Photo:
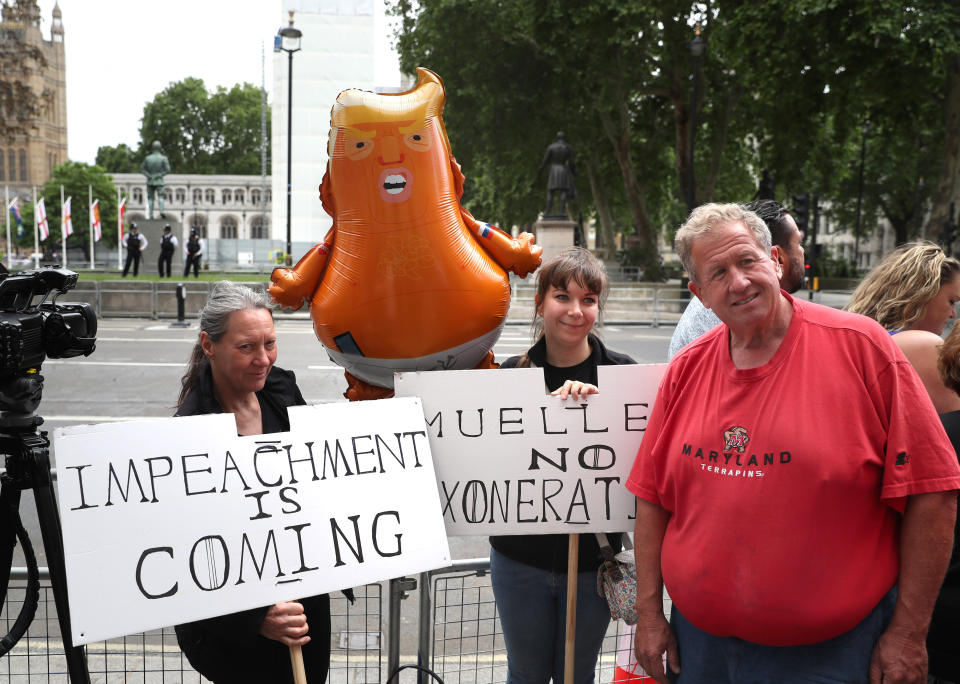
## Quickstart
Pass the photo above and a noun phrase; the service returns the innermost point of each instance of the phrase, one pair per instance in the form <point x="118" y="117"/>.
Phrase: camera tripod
<point x="27" y="456"/>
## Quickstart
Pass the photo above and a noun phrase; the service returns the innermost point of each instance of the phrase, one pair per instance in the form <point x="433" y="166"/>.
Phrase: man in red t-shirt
<point x="795" y="544"/>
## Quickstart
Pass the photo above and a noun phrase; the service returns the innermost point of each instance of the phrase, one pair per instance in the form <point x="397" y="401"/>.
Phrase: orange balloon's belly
<point x="405" y="298"/>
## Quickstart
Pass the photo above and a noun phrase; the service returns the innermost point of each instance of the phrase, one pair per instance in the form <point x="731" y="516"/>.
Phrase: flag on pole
<point x="95" y="212"/>
<point x="15" y="213"/>
<point x="123" y="206"/>
<point x="67" y="219"/>
<point x="41" y="214"/>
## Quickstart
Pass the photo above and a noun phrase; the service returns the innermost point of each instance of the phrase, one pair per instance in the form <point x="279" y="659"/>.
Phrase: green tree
<point x="203" y="132"/>
<point x="76" y="178"/>
<point x="20" y="103"/>
<point x="119" y="159"/>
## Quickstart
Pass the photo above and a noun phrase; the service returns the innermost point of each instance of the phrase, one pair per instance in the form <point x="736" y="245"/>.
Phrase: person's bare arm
<point x="653" y="635"/>
<point x="922" y="349"/>
<point x="926" y="540"/>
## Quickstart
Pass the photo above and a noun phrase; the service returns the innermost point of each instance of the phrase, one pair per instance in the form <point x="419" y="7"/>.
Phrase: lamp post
<point x="289" y="43"/>
<point x="855" y="262"/>
<point x="697" y="47"/>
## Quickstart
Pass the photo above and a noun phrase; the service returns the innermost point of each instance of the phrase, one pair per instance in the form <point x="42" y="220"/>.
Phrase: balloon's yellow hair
<point x="421" y="103"/>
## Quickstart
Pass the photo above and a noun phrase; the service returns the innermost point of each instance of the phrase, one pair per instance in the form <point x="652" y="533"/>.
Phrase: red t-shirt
<point x="785" y="482"/>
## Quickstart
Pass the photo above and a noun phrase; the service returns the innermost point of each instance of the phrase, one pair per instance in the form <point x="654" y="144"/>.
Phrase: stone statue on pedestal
<point x="155" y="167"/>
<point x="561" y="185"/>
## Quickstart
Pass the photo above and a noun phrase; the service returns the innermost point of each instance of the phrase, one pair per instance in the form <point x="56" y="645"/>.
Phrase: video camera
<point x="34" y="326"/>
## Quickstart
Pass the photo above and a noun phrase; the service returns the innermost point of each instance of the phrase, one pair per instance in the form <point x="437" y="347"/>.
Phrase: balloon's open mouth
<point x="395" y="184"/>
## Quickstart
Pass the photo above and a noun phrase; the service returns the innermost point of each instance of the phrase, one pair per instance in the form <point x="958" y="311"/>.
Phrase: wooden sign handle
<point x="573" y="559"/>
<point x="296" y="661"/>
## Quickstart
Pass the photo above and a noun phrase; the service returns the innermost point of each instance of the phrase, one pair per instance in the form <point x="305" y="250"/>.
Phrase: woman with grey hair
<point x="231" y="370"/>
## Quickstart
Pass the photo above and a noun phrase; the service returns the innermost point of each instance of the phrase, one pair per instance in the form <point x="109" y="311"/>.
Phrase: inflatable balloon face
<point x="406" y="279"/>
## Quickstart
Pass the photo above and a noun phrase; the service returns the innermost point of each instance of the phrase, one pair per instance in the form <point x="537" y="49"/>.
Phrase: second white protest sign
<point x="511" y="459"/>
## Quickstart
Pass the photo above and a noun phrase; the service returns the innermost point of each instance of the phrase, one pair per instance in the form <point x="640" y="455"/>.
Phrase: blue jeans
<point x="532" y="604"/>
<point x="719" y="660"/>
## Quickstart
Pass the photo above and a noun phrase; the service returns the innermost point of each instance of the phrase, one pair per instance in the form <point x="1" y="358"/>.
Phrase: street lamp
<point x="697" y="47"/>
<point x="289" y="43"/>
<point x="864" y="131"/>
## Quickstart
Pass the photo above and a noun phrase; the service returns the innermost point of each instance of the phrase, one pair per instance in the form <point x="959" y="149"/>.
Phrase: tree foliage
<point x="789" y="85"/>
<point x="204" y="132"/>
<point x="119" y="159"/>
<point x="20" y="104"/>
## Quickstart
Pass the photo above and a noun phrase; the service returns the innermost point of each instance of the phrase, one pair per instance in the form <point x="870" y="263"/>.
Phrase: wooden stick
<point x="573" y="558"/>
<point x="296" y="661"/>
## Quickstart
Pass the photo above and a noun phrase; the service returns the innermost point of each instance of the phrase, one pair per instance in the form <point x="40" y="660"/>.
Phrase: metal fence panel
<point x="154" y="657"/>
<point x="465" y="640"/>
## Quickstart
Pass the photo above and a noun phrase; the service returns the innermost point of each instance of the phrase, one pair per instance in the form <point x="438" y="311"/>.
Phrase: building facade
<point x="28" y="161"/>
<point x="218" y="207"/>
<point x="337" y="52"/>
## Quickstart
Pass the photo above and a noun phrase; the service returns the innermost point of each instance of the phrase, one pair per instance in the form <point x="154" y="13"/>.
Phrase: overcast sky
<point x="120" y="53"/>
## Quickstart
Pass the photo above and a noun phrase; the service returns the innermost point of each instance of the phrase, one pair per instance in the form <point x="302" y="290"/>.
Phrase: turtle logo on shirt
<point x="736" y="439"/>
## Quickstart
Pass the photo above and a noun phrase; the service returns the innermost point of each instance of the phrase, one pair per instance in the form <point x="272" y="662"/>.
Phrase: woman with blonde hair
<point x="912" y="293"/>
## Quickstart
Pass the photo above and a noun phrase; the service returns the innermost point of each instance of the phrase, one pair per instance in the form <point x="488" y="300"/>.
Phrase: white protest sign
<point x="174" y="520"/>
<point x="511" y="459"/>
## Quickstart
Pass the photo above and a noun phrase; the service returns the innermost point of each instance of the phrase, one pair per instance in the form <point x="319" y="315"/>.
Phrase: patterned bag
<point x="617" y="580"/>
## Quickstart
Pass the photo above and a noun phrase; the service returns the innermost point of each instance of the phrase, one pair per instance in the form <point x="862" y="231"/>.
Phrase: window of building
<point x="258" y="228"/>
<point x="225" y="196"/>
<point x="210" y="196"/>
<point x="23" y="166"/>
<point x="228" y="227"/>
<point x="167" y="195"/>
<point x="238" y="196"/>
<point x="138" y="195"/>
<point x="197" y="196"/>
<point x="3" y="165"/>
<point x="181" y="195"/>
<point x="269" y="196"/>
<point x="255" y="197"/>
<point x="198" y="222"/>
<point x="12" y="156"/>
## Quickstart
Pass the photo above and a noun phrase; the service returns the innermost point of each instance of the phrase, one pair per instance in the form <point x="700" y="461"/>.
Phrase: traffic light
<point x="801" y="211"/>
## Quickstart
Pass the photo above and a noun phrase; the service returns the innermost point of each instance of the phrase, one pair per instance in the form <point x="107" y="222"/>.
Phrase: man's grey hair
<point x="704" y="219"/>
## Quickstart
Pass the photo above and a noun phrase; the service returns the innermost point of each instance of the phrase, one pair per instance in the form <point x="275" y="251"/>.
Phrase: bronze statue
<point x="155" y="167"/>
<point x="767" y="189"/>
<point x="561" y="185"/>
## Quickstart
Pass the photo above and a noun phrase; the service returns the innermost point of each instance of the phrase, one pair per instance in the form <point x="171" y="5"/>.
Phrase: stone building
<point x="28" y="161"/>
<point x="218" y="207"/>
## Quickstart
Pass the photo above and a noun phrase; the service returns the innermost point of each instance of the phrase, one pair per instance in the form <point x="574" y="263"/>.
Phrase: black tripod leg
<point x="53" y="545"/>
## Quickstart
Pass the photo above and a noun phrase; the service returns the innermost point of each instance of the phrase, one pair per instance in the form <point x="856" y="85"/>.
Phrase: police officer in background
<point x="135" y="244"/>
<point x="168" y="243"/>
<point x="193" y="250"/>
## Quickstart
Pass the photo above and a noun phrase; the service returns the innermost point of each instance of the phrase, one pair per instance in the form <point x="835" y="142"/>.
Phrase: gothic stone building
<point x="28" y="161"/>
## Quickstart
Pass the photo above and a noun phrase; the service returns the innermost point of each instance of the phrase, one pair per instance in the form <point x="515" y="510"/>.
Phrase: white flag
<point x="95" y="212"/>
<point x="41" y="214"/>
<point x="67" y="219"/>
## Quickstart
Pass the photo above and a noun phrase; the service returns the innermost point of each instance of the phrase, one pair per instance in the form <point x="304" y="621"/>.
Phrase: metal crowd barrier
<point x="154" y="657"/>
<point x="457" y="630"/>
<point x="460" y="637"/>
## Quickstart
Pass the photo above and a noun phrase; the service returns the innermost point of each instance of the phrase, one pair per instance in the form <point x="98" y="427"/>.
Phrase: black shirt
<point x="549" y="551"/>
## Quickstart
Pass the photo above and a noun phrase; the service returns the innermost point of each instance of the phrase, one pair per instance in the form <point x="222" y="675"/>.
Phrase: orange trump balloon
<point x="406" y="279"/>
